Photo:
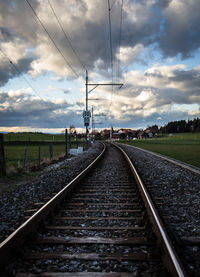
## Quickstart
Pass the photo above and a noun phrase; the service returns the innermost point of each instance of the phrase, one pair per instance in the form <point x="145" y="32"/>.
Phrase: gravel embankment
<point x="13" y="205"/>
<point x="176" y="193"/>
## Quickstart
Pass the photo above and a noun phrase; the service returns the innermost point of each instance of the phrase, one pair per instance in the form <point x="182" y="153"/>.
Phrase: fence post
<point x="50" y="150"/>
<point x="66" y="143"/>
<point x="25" y="155"/>
<point x="39" y="155"/>
<point x="70" y="145"/>
<point x="77" y="143"/>
<point x="2" y="157"/>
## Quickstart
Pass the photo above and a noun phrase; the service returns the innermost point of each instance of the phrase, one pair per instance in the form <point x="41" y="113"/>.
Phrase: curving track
<point x="104" y="227"/>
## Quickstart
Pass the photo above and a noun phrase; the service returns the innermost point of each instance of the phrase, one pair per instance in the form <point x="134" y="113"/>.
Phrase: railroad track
<point x="103" y="223"/>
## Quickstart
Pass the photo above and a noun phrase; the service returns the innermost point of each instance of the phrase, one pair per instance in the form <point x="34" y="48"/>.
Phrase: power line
<point x="18" y="71"/>
<point x="113" y="4"/>
<point x="52" y="40"/>
<point x="66" y="36"/>
<point x="110" y="35"/>
<point x="111" y="54"/>
<point x="120" y="36"/>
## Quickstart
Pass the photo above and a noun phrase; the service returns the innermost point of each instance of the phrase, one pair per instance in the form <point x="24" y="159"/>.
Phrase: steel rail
<point x="176" y="267"/>
<point x="171" y="160"/>
<point x="12" y="243"/>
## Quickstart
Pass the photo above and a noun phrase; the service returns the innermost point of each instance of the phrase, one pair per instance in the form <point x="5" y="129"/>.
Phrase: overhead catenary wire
<point x="111" y="53"/>
<point x="110" y="36"/>
<point x="52" y="40"/>
<point x="114" y="1"/>
<point x="120" y="37"/>
<point x="18" y="71"/>
<point x="67" y="37"/>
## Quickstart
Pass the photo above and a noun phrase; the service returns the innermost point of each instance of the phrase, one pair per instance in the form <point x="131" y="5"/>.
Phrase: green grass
<point x="33" y="137"/>
<point x="183" y="147"/>
<point x="15" y="155"/>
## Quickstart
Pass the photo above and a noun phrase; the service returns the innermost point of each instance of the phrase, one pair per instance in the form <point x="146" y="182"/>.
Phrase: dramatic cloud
<point x="89" y="34"/>
<point x="8" y="71"/>
<point x="128" y="55"/>
<point x="163" y="29"/>
<point x="159" y="94"/>
<point x="167" y="23"/>
<point x="181" y="28"/>
<point x="21" y="108"/>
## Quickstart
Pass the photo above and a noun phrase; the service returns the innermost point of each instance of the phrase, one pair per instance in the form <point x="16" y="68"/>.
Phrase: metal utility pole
<point x="93" y="121"/>
<point x="86" y="104"/>
<point x="86" y="113"/>
<point x="111" y="133"/>
<point x="2" y="157"/>
<point x="92" y="124"/>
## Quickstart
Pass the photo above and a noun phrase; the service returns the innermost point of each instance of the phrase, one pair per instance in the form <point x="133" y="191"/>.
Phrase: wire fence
<point x="30" y="156"/>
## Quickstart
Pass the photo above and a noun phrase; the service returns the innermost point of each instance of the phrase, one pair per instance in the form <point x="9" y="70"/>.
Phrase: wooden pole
<point x="2" y="157"/>
<point x="66" y="143"/>
<point x="50" y="151"/>
<point x="70" y="144"/>
<point x="25" y="155"/>
<point x="39" y="155"/>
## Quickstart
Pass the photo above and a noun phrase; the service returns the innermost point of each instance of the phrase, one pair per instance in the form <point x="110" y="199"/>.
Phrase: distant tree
<point x="154" y="129"/>
<point x="181" y="126"/>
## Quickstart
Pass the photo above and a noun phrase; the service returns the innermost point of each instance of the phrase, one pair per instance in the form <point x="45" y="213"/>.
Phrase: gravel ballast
<point x="13" y="205"/>
<point x="176" y="194"/>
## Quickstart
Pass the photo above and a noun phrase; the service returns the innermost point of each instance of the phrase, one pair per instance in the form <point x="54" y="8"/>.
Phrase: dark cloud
<point x="171" y="95"/>
<point x="163" y="3"/>
<point x="181" y="29"/>
<point x="156" y="74"/>
<point x="6" y="34"/>
<point x="66" y="91"/>
<point x="159" y="118"/>
<point x="23" y="110"/>
<point x="8" y="71"/>
<point x="176" y="30"/>
<point x="172" y="26"/>
<point x="189" y="78"/>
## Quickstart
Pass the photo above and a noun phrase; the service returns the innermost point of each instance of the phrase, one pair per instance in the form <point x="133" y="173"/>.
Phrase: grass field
<point x="184" y="147"/>
<point x="33" y="137"/>
<point x="15" y="155"/>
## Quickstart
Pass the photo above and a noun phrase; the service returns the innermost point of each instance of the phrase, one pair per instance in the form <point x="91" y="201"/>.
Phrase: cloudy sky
<point x="46" y="46"/>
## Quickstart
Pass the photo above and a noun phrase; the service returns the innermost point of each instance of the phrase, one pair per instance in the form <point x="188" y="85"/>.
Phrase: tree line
<point x="180" y="126"/>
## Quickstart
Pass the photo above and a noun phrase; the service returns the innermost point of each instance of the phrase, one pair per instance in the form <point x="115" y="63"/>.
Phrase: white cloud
<point x="16" y="49"/>
<point x="166" y="24"/>
<point x="129" y="55"/>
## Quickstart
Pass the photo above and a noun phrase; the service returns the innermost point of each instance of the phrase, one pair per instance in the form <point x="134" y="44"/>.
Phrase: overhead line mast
<point x="87" y="113"/>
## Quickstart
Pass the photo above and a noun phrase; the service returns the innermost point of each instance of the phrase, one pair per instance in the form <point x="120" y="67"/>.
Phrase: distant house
<point x="115" y="135"/>
<point x="105" y="133"/>
<point x="148" y="133"/>
<point x="129" y="133"/>
<point x="140" y="134"/>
